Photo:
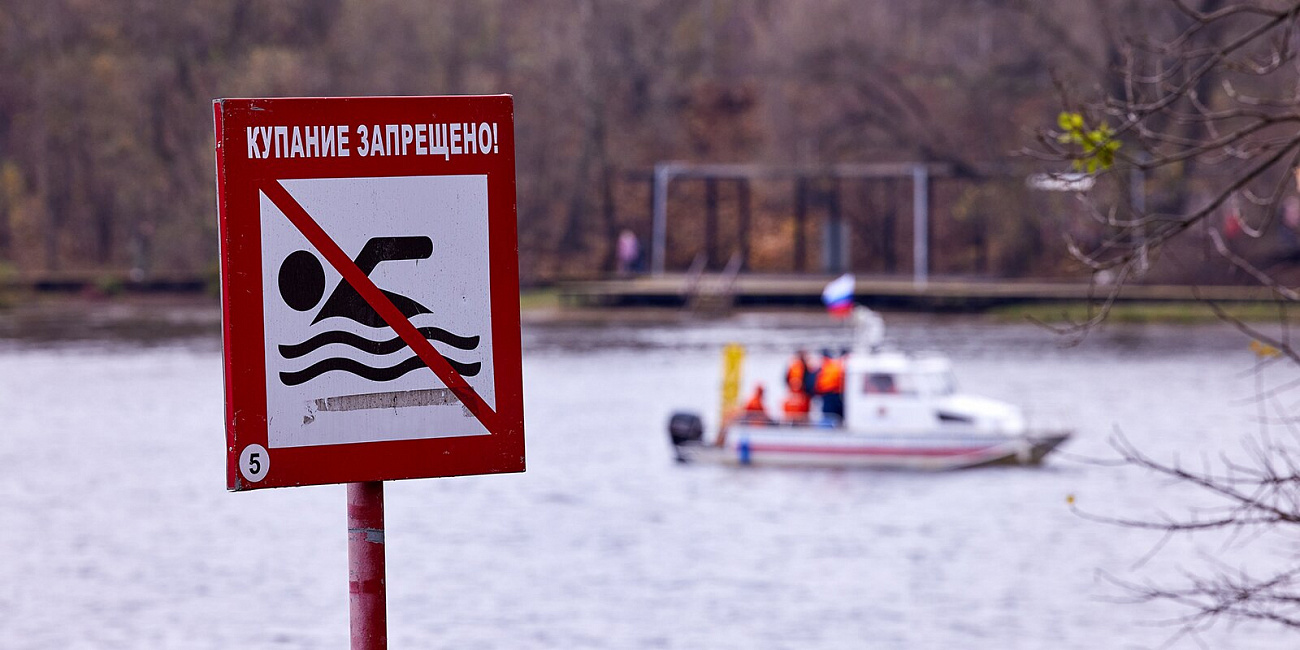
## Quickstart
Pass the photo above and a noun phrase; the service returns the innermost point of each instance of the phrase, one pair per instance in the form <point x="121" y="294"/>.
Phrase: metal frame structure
<point x="919" y="173"/>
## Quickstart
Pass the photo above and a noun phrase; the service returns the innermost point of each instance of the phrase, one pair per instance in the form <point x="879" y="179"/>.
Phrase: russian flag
<point x="838" y="295"/>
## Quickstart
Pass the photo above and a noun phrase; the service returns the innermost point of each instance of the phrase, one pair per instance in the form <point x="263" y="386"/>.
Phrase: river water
<point x="116" y="532"/>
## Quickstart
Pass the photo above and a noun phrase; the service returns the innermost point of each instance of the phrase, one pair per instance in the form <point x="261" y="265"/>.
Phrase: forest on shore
<point x="106" y="138"/>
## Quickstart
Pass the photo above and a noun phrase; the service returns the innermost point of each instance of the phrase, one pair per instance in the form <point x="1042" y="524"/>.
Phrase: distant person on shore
<point x="830" y="385"/>
<point x="628" y="250"/>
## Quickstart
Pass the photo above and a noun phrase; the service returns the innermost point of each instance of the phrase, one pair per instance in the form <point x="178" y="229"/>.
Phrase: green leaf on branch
<point x="1097" y="146"/>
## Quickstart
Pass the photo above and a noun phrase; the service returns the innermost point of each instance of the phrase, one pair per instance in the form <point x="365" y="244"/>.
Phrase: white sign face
<point x="336" y="373"/>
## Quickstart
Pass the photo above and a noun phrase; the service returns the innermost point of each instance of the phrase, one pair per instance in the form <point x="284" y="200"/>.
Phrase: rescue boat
<point x="901" y="411"/>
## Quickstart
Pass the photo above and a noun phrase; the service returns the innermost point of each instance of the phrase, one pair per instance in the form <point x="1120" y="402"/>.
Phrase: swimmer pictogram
<point x="302" y="287"/>
<point x="372" y="298"/>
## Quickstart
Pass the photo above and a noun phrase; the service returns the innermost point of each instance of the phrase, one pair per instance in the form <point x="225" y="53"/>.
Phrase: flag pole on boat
<point x="733" y="359"/>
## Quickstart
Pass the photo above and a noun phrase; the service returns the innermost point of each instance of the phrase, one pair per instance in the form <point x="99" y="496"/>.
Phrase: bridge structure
<point x="835" y="250"/>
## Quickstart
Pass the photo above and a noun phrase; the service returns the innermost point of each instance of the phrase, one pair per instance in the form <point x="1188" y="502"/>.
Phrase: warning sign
<point x="370" y="291"/>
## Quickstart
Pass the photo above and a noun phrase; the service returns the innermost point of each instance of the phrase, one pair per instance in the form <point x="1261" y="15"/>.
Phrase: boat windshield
<point x="936" y="383"/>
<point x="909" y="383"/>
<point x="879" y="383"/>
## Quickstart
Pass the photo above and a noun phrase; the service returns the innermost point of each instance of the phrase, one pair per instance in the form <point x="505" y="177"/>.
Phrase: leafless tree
<point x="1207" y="118"/>
<point x="105" y="133"/>
<point x="1203" y="114"/>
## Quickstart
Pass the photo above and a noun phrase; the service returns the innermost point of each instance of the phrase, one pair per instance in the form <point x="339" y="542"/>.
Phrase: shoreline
<point x="160" y="316"/>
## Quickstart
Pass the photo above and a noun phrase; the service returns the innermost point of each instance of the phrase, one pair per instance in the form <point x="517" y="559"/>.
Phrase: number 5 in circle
<point x="254" y="463"/>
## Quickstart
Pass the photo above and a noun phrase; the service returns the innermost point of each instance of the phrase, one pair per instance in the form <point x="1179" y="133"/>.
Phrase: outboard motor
<point x="685" y="428"/>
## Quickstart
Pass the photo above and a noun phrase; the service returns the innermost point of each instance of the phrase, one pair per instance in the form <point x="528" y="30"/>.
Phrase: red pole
<point x="366" y="584"/>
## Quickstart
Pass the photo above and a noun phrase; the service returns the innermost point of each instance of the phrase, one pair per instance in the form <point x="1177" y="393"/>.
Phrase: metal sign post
<point x="367" y="587"/>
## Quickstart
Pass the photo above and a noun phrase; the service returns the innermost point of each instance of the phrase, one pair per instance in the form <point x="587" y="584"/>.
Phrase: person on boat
<point x="830" y="385"/>
<point x="799" y="377"/>
<point x="754" y="412"/>
<point x="796" y="406"/>
<point x="799" y="380"/>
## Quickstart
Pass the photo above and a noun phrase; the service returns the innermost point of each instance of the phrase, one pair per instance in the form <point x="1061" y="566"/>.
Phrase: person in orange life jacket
<point x="796" y="406"/>
<point x="799" y="381"/>
<point x="830" y="385"/>
<point x="754" y="412"/>
<point x="798" y="376"/>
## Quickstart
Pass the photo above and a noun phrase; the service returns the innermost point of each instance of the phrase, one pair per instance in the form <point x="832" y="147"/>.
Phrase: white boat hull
<point x="796" y="446"/>
<point x="897" y="411"/>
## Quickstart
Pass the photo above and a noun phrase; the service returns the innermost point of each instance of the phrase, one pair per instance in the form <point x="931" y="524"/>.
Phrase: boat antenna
<point x="868" y="329"/>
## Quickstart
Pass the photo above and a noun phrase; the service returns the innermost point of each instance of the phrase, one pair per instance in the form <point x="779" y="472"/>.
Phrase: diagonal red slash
<point x="380" y="303"/>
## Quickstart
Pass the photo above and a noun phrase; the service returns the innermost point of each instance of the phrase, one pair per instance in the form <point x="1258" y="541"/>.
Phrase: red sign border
<point x="239" y="179"/>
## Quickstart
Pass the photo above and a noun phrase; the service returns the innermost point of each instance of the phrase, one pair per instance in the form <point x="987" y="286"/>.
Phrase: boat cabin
<point x="901" y="392"/>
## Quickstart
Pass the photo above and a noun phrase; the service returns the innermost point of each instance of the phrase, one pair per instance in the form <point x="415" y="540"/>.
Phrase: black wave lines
<point x="373" y="374"/>
<point x="375" y="347"/>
